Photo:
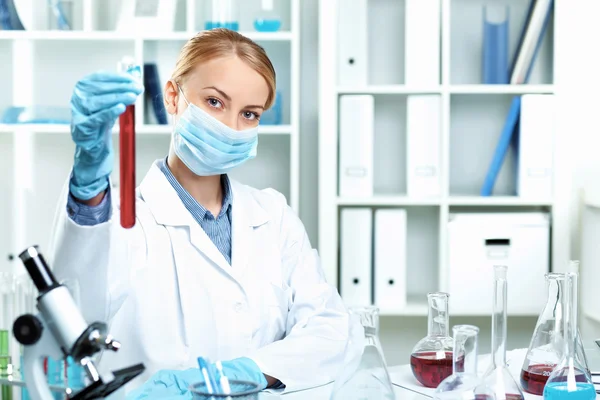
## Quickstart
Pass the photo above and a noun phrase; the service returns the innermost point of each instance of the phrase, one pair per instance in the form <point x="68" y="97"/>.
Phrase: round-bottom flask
<point x="431" y="358"/>
<point x="464" y="383"/>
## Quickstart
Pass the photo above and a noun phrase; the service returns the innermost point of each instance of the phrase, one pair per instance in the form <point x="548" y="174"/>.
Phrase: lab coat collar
<point x="167" y="208"/>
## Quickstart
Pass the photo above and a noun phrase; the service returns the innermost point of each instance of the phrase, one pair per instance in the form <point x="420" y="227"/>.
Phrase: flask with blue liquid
<point x="268" y="19"/>
<point x="570" y="380"/>
<point x="223" y="14"/>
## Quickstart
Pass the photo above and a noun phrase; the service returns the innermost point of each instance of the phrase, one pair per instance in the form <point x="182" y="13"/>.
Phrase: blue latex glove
<point x="97" y="101"/>
<point x="170" y="384"/>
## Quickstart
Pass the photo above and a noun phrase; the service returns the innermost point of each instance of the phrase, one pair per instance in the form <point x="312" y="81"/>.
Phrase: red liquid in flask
<point x="127" y="166"/>
<point x="535" y="377"/>
<point x="429" y="370"/>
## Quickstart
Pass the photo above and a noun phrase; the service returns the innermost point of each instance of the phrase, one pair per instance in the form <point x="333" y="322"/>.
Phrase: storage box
<point x="478" y="241"/>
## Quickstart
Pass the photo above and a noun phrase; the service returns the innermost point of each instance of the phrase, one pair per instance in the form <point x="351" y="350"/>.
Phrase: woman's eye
<point x="251" y="116"/>
<point x="214" y="103"/>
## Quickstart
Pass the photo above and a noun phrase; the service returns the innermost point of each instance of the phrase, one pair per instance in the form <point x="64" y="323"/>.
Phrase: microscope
<point x="59" y="331"/>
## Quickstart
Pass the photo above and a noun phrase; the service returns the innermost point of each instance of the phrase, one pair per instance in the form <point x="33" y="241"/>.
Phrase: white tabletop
<point x="323" y="393"/>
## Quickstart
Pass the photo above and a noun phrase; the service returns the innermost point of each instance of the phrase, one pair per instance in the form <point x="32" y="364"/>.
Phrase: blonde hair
<point x="211" y="44"/>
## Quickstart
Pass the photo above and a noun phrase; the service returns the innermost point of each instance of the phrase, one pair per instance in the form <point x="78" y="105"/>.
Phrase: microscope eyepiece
<point x="38" y="269"/>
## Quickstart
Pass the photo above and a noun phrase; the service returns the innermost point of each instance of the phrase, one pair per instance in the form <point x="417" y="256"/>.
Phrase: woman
<point x="212" y="267"/>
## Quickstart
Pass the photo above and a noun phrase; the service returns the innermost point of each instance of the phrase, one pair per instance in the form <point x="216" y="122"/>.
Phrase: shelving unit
<point x="41" y="67"/>
<point x="472" y="117"/>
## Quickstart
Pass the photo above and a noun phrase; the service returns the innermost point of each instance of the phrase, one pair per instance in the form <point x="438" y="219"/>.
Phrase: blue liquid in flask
<point x="267" y="24"/>
<point x="232" y="26"/>
<point x="558" y="391"/>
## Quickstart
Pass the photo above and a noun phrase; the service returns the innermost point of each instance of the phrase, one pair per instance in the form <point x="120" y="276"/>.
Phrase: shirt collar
<point x="187" y="198"/>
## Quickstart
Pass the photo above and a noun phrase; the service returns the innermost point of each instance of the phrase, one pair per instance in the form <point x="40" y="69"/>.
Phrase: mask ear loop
<point x="182" y="94"/>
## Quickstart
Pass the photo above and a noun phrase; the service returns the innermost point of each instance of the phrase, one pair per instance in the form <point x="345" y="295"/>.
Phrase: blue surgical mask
<point x="209" y="147"/>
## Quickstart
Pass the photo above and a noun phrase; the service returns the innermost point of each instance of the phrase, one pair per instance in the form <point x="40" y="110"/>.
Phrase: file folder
<point x="422" y="42"/>
<point x="390" y="259"/>
<point x="536" y="143"/>
<point x="356" y="146"/>
<point x="423" y="155"/>
<point x="355" y="256"/>
<point x="352" y="42"/>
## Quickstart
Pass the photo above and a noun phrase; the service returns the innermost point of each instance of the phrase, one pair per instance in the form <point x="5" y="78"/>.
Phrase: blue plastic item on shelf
<point x="233" y="26"/>
<point x="273" y="116"/>
<point x="36" y="115"/>
<point x="495" y="45"/>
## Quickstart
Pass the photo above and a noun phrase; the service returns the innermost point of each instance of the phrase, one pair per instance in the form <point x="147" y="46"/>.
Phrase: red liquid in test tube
<point x="127" y="166"/>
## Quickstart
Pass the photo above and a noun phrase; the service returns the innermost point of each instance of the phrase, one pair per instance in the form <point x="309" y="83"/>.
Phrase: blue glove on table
<point x="97" y="101"/>
<point x="171" y="384"/>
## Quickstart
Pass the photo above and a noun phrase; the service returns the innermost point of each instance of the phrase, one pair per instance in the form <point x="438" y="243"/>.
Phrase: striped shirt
<point x="218" y="228"/>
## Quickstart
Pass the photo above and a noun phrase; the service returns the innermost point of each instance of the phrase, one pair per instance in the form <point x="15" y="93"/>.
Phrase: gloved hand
<point x="97" y="101"/>
<point x="170" y="384"/>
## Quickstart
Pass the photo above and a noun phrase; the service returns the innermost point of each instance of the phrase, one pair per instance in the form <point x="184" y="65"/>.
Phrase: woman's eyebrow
<point x="222" y="93"/>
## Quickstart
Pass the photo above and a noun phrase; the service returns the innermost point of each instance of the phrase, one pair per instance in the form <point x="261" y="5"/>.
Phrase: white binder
<point x="536" y="143"/>
<point x="356" y="146"/>
<point x="352" y="42"/>
<point x="422" y="42"/>
<point x="423" y="150"/>
<point x="355" y="256"/>
<point x="390" y="259"/>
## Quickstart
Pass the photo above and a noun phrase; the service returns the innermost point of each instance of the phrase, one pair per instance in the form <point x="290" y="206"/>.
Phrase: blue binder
<point x="510" y="128"/>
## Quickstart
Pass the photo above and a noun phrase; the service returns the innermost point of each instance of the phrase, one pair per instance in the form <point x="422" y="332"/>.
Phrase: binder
<point x="355" y="256"/>
<point x="536" y="143"/>
<point x="422" y="42"/>
<point x="352" y="42"/>
<point x="506" y="138"/>
<point x="390" y="259"/>
<point x="423" y="131"/>
<point x="356" y="145"/>
<point x="495" y="44"/>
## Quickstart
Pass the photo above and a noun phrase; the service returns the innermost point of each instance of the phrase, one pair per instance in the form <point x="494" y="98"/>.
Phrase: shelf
<point x="391" y="201"/>
<point x="119" y="36"/>
<point x="388" y="89"/>
<point x="142" y="130"/>
<point x="501" y="89"/>
<point x="496" y="201"/>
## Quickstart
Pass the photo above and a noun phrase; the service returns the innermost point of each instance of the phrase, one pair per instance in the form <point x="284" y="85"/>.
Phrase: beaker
<point x="464" y="384"/>
<point x="497" y="376"/>
<point x="223" y="15"/>
<point x="268" y="20"/>
<point x="546" y="347"/>
<point x="368" y="378"/>
<point x="570" y="379"/>
<point x="431" y="358"/>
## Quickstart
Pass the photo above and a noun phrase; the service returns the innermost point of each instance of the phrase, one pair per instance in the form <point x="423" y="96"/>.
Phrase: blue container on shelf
<point x="274" y="115"/>
<point x="268" y="20"/>
<point x="495" y="44"/>
<point x="223" y="14"/>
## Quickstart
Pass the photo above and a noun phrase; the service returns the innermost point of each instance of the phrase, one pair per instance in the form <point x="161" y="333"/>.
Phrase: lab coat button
<point x="239" y="307"/>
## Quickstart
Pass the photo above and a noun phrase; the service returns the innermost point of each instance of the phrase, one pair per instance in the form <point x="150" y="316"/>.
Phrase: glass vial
<point x="268" y="19"/>
<point x="369" y="378"/>
<point x="464" y="384"/>
<point x="498" y="377"/>
<point x="223" y="14"/>
<point x="546" y="346"/>
<point x="570" y="379"/>
<point x="431" y="358"/>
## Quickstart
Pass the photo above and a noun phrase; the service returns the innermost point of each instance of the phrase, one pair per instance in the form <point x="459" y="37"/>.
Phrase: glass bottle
<point x="497" y="376"/>
<point x="223" y="15"/>
<point x="464" y="384"/>
<point x="570" y="379"/>
<point x="268" y="20"/>
<point x="367" y="377"/>
<point x="431" y="358"/>
<point x="546" y="347"/>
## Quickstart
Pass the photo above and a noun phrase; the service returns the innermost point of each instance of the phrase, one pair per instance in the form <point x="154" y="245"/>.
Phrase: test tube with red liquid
<point x="127" y="151"/>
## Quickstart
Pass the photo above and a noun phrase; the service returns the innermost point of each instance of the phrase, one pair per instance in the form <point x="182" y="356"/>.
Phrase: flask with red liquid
<point x="547" y="343"/>
<point x="431" y="358"/>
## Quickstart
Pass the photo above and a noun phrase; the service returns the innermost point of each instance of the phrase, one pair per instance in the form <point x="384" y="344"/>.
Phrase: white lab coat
<point x="170" y="296"/>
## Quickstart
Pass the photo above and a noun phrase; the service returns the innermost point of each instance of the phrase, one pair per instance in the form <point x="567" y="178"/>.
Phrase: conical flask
<point x="546" y="347"/>
<point x="368" y="377"/>
<point x="497" y="376"/>
<point x="464" y="384"/>
<point x="570" y="379"/>
<point x="431" y="358"/>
